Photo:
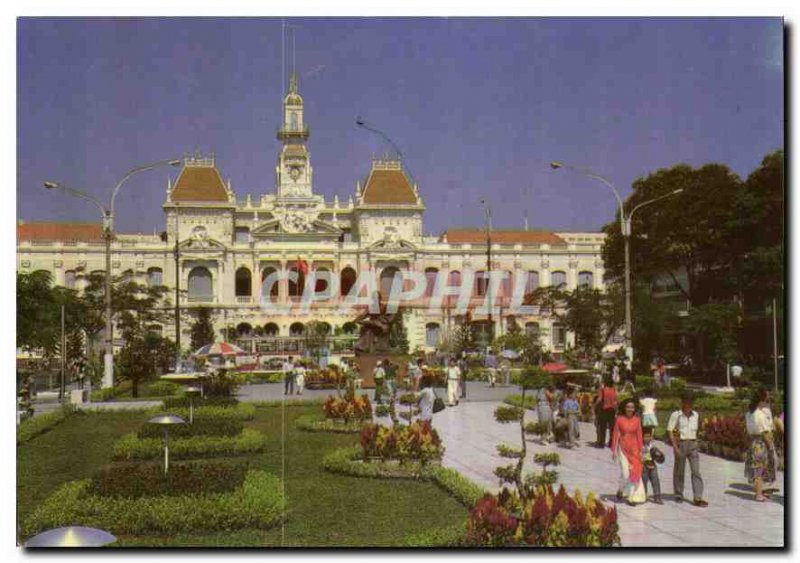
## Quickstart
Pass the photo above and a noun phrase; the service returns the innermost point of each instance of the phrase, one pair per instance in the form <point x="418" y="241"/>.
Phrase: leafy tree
<point x="202" y="329"/>
<point x="715" y="325"/>
<point x="316" y="337"/>
<point x="594" y="316"/>
<point x="398" y="336"/>
<point x="143" y="356"/>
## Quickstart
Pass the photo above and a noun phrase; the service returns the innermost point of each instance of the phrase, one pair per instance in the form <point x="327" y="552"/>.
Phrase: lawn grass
<point x="324" y="509"/>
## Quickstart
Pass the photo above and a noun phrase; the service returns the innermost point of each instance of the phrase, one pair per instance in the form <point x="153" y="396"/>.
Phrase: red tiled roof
<point x="389" y="187"/>
<point x="478" y="236"/>
<point x="199" y="183"/>
<point x="80" y="232"/>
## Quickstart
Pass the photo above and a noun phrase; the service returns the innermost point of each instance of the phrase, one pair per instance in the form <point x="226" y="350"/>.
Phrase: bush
<point x="727" y="432"/>
<point x="137" y="480"/>
<point x="516" y="400"/>
<point x="258" y="376"/>
<point x="221" y="384"/>
<point x="717" y="403"/>
<point x="103" y="395"/>
<point x="32" y="427"/>
<point x="644" y="382"/>
<point x="130" y="447"/>
<point x="162" y="389"/>
<point x="202" y="426"/>
<point x="183" y="402"/>
<point x="533" y="377"/>
<point x="347" y="409"/>
<point x="414" y="442"/>
<point x="312" y="423"/>
<point x="243" y="411"/>
<point x="547" y="520"/>
<point x="327" y="378"/>
<point x="257" y="503"/>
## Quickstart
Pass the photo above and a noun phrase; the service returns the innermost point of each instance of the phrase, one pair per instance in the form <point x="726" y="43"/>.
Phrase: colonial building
<point x="228" y="249"/>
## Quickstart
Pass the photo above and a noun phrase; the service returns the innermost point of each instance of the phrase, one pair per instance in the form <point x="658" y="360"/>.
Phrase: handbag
<point x="438" y="403"/>
<point x="657" y="455"/>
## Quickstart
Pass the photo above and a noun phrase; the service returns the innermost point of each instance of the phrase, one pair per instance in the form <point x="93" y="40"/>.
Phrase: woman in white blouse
<point x="759" y="465"/>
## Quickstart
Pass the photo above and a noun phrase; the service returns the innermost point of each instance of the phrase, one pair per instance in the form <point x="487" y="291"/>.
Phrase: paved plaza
<point x="732" y="518"/>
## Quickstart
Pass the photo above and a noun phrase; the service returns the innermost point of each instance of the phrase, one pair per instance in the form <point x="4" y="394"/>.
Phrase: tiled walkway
<point x="732" y="519"/>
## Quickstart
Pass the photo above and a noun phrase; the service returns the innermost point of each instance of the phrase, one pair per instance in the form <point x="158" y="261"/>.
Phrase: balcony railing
<point x="244" y="299"/>
<point x="200" y="298"/>
<point x="282" y="345"/>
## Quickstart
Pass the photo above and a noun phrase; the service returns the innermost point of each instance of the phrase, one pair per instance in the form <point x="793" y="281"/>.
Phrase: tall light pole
<point x="108" y="232"/>
<point x="625" y="229"/>
<point x="487" y="208"/>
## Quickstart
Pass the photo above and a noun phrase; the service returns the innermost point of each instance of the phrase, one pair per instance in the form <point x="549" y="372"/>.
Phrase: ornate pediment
<point x="199" y="241"/>
<point x="296" y="221"/>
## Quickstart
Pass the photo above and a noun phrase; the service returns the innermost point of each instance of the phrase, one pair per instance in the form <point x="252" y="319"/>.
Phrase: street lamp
<point x="192" y="392"/>
<point x="71" y="536"/>
<point x="487" y="208"/>
<point x="165" y="421"/>
<point x="108" y="232"/>
<point x="625" y="229"/>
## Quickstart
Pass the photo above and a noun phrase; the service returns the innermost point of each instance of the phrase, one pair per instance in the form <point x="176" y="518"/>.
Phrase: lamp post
<point x="192" y="392"/>
<point x="71" y="536"/>
<point x="487" y="208"/>
<point x="166" y="420"/>
<point x="108" y="233"/>
<point x="625" y="229"/>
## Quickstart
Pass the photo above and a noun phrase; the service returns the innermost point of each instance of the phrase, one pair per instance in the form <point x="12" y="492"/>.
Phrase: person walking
<point x="571" y="410"/>
<point x="608" y="408"/>
<point x="626" y="450"/>
<point x="300" y="378"/>
<point x="648" y="404"/>
<point x="426" y="399"/>
<point x="378" y="375"/>
<point x="288" y="376"/>
<point x="453" y="377"/>
<point x="759" y="467"/>
<point x="683" y="427"/>
<point x="416" y="372"/>
<point x="544" y="410"/>
<point x="390" y="374"/>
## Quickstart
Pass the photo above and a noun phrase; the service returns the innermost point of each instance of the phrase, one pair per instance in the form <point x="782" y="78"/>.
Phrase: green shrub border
<point x="242" y="411"/>
<point x="130" y="447"/>
<point x="258" y="503"/>
<point x="313" y="423"/>
<point x="30" y="428"/>
<point x="346" y="461"/>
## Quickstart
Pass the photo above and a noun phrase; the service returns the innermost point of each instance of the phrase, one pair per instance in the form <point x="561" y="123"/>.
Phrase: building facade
<point x="249" y="260"/>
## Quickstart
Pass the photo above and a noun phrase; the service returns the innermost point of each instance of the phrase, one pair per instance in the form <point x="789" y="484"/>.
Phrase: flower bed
<point x="348" y="408"/>
<point x="547" y="520"/>
<point x="725" y="437"/>
<point x="131" y="447"/>
<point x="313" y="423"/>
<point x="414" y="442"/>
<point x="257" y="503"/>
<point x="328" y="378"/>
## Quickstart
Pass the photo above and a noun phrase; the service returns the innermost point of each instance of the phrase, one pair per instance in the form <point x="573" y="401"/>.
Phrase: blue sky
<point x="479" y="106"/>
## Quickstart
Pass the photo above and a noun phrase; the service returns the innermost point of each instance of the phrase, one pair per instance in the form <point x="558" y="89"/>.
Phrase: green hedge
<point x="290" y="403"/>
<point x="183" y="402"/>
<point x="242" y="411"/>
<point x="130" y="447"/>
<point x="449" y="536"/>
<point x="313" y="423"/>
<point x="258" y="376"/>
<point x="162" y="389"/>
<point x="202" y="426"/>
<point x="257" y="503"/>
<point x="32" y="427"/>
<point x="516" y="400"/>
<point x="137" y="480"/>
<point x="103" y="395"/>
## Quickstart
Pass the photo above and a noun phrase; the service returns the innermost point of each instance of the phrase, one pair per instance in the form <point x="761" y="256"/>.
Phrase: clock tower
<point x="293" y="173"/>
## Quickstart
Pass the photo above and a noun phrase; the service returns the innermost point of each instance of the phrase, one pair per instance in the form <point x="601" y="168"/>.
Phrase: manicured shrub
<point x="546" y="519"/>
<point x="348" y="408"/>
<point x="183" y="402"/>
<point x="313" y="423"/>
<point x="242" y="411"/>
<point x="162" y="389"/>
<point x="135" y="480"/>
<point x="130" y="447"/>
<point x="202" y="426"/>
<point x="221" y="384"/>
<point x="257" y="503"/>
<point x="516" y="400"/>
<point x="34" y="426"/>
<point x="414" y="442"/>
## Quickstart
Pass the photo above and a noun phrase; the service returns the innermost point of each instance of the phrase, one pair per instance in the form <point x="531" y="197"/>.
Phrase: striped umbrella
<point x="220" y="349"/>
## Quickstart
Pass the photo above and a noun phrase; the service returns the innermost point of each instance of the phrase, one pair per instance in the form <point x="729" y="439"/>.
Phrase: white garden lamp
<point x="192" y="392"/>
<point x="166" y="420"/>
<point x="71" y="536"/>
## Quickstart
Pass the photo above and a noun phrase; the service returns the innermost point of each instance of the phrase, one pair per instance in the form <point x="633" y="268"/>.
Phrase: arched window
<point x="297" y="329"/>
<point x="274" y="290"/>
<point x="244" y="329"/>
<point x="532" y="282"/>
<point x="481" y="283"/>
<point x="293" y="123"/>
<point x="201" y="286"/>
<point x="69" y="279"/>
<point x="388" y="276"/>
<point x="325" y="328"/>
<point x="506" y="284"/>
<point x="243" y="282"/>
<point x="430" y="278"/>
<point x="532" y="329"/>
<point x="559" y="336"/>
<point x="585" y="279"/>
<point x="322" y="283"/>
<point x="558" y="279"/>
<point x="271" y="329"/>
<point x="350" y="328"/>
<point x="296" y="287"/>
<point x="154" y="277"/>
<point x="346" y="281"/>
<point x="432" y="333"/>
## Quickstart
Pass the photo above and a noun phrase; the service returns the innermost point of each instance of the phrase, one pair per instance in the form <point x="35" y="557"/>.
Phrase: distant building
<point x="228" y="248"/>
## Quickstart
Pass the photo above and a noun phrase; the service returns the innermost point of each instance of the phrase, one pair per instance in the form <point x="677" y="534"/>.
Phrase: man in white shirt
<point x="288" y="376"/>
<point x="379" y="375"/>
<point x="682" y="427"/>
<point x="453" y="377"/>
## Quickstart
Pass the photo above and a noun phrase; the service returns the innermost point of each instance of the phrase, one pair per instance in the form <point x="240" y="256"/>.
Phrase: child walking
<point x="648" y="404"/>
<point x="650" y="456"/>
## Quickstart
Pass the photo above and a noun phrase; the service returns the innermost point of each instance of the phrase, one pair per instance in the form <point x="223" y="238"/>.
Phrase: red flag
<point x="302" y="266"/>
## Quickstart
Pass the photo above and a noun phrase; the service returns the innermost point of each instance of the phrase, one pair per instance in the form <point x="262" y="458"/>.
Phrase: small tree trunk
<point x="135" y="388"/>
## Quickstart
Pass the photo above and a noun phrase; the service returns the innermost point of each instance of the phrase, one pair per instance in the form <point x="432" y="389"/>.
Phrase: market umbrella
<point x="554" y="367"/>
<point x="220" y="349"/>
<point x="71" y="536"/>
<point x="509" y="354"/>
